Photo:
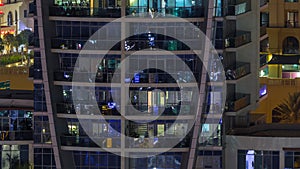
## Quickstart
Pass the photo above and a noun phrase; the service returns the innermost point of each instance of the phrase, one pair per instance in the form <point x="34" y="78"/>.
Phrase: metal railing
<point x="291" y="24"/>
<point x="80" y="11"/>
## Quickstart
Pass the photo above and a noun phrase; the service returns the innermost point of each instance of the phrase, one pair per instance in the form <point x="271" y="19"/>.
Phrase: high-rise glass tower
<point x="142" y="83"/>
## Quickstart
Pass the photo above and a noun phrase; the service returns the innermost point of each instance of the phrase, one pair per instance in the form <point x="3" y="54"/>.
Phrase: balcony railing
<point x="263" y="30"/>
<point x="16" y="135"/>
<point x="158" y="142"/>
<point x="77" y="44"/>
<point x="239" y="101"/>
<point x="168" y="110"/>
<point x="86" y="109"/>
<point x="139" y="44"/>
<point x="181" y="76"/>
<point x="291" y="0"/>
<point x="86" y="141"/>
<point x="183" y="12"/>
<point x="263" y="59"/>
<point x="237" y="71"/>
<point x="240" y="8"/>
<point x="211" y="141"/>
<point x="237" y="40"/>
<point x="86" y="77"/>
<point x="263" y="2"/>
<point x="32" y="8"/>
<point x="79" y="11"/>
<point x="291" y="24"/>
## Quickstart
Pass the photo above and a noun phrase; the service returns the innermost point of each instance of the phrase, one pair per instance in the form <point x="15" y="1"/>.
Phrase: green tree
<point x="289" y="110"/>
<point x="25" y="37"/>
<point x="1" y="45"/>
<point x="9" y="40"/>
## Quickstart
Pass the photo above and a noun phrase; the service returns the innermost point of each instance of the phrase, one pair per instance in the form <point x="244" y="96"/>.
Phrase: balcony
<point x="32" y="9"/>
<point x="78" y="44"/>
<point x="263" y="30"/>
<point x="149" y="76"/>
<point x="263" y="60"/>
<point x="291" y="24"/>
<point x="88" y="109"/>
<point x="99" y="77"/>
<point x="237" y="102"/>
<point x="291" y="0"/>
<point x="168" y="110"/>
<point x="80" y="11"/>
<point x="86" y="141"/>
<point x="21" y="135"/>
<point x="263" y="2"/>
<point x="237" y="71"/>
<point x="182" y="12"/>
<point x="143" y="43"/>
<point x="157" y="142"/>
<point x="238" y="39"/>
<point x="210" y="141"/>
<point x="239" y="8"/>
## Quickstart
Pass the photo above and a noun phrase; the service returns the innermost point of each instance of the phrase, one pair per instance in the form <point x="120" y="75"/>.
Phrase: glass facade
<point x="209" y="159"/>
<point x="292" y="159"/>
<point x="162" y="161"/>
<point x="41" y="130"/>
<point x="152" y="92"/>
<point x="15" y="125"/>
<point x="44" y="158"/>
<point x="96" y="160"/>
<point x="39" y="98"/>
<point x="258" y="159"/>
<point x="14" y="156"/>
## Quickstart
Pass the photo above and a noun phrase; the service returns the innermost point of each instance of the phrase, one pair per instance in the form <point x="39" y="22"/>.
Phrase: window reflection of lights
<point x="92" y="41"/>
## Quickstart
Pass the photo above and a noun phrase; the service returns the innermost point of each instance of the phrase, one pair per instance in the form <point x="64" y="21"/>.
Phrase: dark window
<point x="25" y="13"/>
<point x="9" y="19"/>
<point x="290" y="45"/>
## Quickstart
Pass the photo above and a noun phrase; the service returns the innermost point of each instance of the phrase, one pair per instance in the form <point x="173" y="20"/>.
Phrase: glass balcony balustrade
<point x="241" y="7"/>
<point x="87" y="109"/>
<point x="78" y="44"/>
<point x="19" y="135"/>
<point x="86" y="141"/>
<point x="263" y="60"/>
<point x="182" y="12"/>
<point x="157" y="142"/>
<point x="167" y="110"/>
<point x="98" y="77"/>
<point x="263" y="2"/>
<point x="84" y="11"/>
<point x="238" y="39"/>
<point x="237" y="102"/>
<point x="237" y="71"/>
<point x="154" y="43"/>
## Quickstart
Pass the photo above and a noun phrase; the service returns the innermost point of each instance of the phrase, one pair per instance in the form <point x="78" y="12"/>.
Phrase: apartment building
<point x="120" y="84"/>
